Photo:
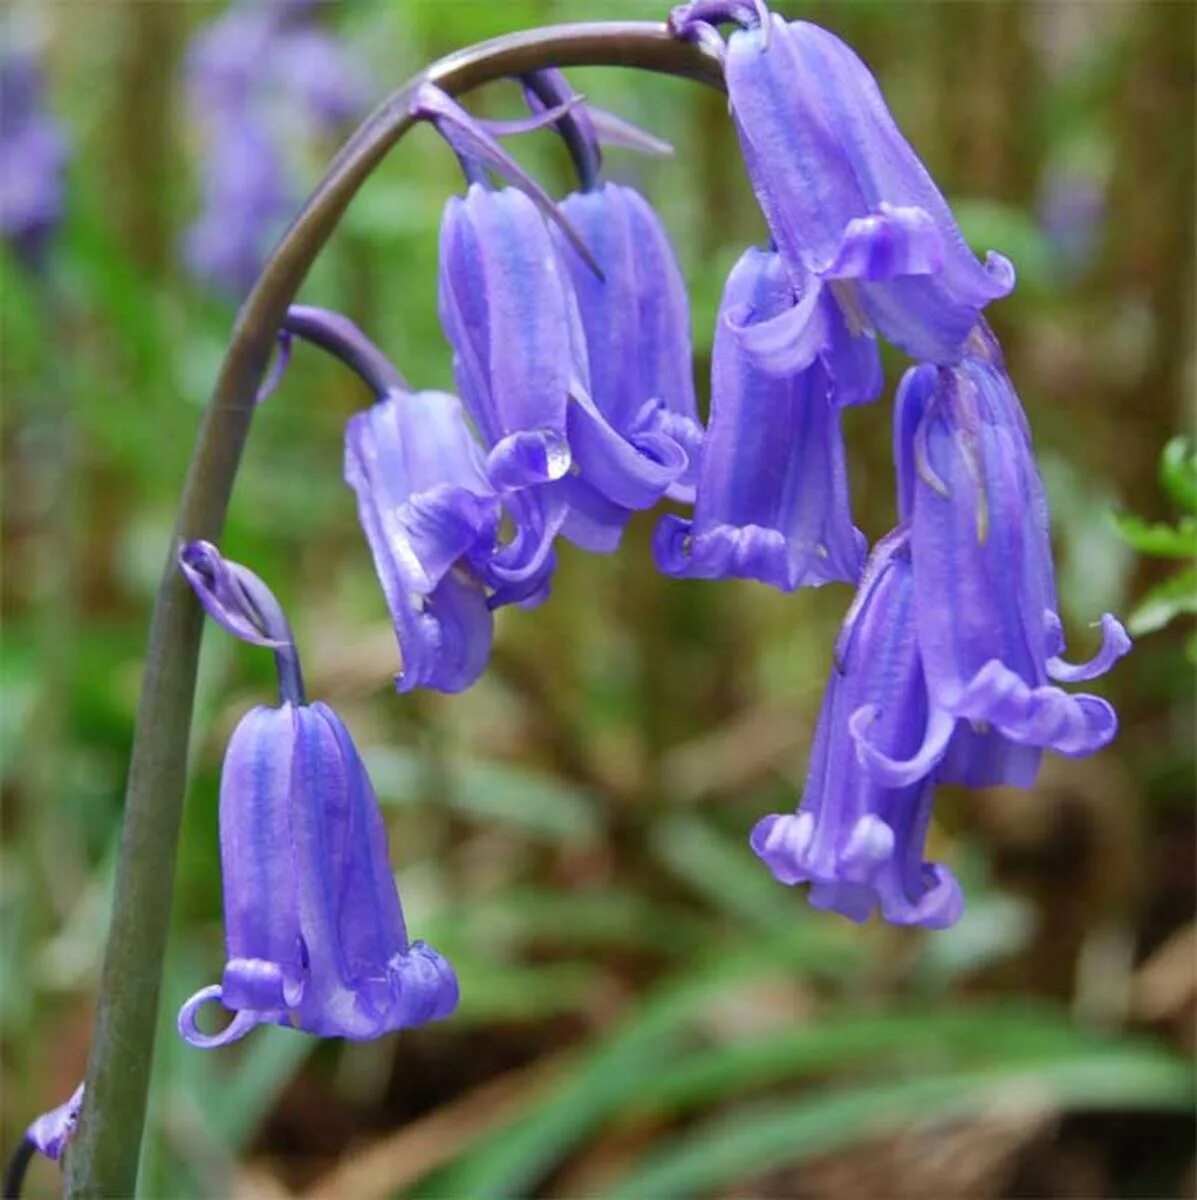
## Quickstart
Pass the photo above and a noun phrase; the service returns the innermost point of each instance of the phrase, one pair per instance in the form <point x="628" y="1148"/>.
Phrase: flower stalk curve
<point x="104" y="1156"/>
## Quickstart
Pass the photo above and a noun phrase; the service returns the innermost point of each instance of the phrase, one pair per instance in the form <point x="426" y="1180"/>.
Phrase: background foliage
<point x="645" y="1012"/>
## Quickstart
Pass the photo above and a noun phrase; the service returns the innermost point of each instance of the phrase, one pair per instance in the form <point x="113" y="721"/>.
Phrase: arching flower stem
<point x="104" y="1157"/>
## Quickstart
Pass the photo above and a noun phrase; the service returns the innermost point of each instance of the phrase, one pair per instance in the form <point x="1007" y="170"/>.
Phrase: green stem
<point x="103" y="1158"/>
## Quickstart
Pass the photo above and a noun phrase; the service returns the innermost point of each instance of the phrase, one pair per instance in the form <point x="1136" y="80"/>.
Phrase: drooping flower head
<point x="32" y="156"/>
<point x="52" y="1132"/>
<point x="510" y="310"/>
<point x="988" y="621"/>
<point x="430" y="515"/>
<point x="858" y="841"/>
<point x="315" y="932"/>
<point x="772" y="500"/>
<point x="847" y="199"/>
<point x="634" y="309"/>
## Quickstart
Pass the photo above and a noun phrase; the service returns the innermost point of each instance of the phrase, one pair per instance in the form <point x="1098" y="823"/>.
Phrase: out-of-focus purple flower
<point x="1071" y="207"/>
<point x="858" y="840"/>
<point x="250" y="73"/>
<point x="246" y="200"/>
<point x="315" y="932"/>
<point x="636" y="321"/>
<point x="846" y="198"/>
<point x="431" y="517"/>
<point x="772" y="501"/>
<point x="52" y="1132"/>
<point x="988" y="622"/>
<point x="32" y="156"/>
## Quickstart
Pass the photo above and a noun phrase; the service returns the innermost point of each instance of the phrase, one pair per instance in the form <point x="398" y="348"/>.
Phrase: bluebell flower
<point x="636" y="322"/>
<point x="846" y="198"/>
<point x="988" y="619"/>
<point x="32" y="157"/>
<point x="772" y="500"/>
<point x="246" y="199"/>
<point x="253" y="75"/>
<point x="431" y="517"/>
<point x="858" y="835"/>
<point x="315" y="932"/>
<point x="52" y="1132"/>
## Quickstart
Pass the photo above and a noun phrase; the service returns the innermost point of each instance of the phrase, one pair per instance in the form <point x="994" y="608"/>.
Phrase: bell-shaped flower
<point x="988" y="625"/>
<point x="52" y="1132"/>
<point x="772" y="500"/>
<point x="506" y="309"/>
<point x="315" y="933"/>
<point x="846" y="197"/>
<point x="856" y="840"/>
<point x="636" y="320"/>
<point x="431" y="518"/>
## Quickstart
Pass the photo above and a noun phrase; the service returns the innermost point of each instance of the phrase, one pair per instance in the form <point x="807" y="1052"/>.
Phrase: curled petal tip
<point x="1115" y="643"/>
<point x="190" y="1032"/>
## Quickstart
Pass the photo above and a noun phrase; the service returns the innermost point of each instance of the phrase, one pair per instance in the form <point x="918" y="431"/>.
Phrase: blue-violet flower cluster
<point x="569" y="329"/>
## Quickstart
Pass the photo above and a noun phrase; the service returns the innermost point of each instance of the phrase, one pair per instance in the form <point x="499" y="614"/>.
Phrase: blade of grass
<point x="754" y="1141"/>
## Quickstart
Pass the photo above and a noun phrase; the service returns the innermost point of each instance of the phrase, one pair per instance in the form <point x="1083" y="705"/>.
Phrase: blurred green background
<point x="645" y="1012"/>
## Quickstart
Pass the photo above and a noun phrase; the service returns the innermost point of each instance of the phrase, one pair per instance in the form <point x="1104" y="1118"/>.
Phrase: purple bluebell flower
<point x="988" y="623"/>
<point x="856" y="840"/>
<point x="32" y="156"/>
<point x="636" y="321"/>
<point x="315" y="932"/>
<point x="847" y="199"/>
<point x="51" y="1133"/>
<point x="246" y="200"/>
<point x="431" y="517"/>
<point x="772" y="501"/>
<point x="249" y="74"/>
<point x="1071" y="207"/>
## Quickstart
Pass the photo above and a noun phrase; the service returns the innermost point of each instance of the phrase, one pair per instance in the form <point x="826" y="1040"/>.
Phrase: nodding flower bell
<point x="432" y="519"/>
<point x="52" y="1132"/>
<point x="510" y="311"/>
<point x="858" y="841"/>
<point x="772" y="500"/>
<point x="846" y="198"/>
<point x="315" y="932"/>
<point x="987" y="617"/>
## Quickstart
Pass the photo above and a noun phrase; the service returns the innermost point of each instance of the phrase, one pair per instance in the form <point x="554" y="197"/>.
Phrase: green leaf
<point x="1166" y="601"/>
<point x="533" y="804"/>
<point x="603" y="1079"/>
<point x="934" y="1037"/>
<point x="1178" y="472"/>
<point x="1162" y="541"/>
<point x="538" y="805"/>
<point x="765" y="1136"/>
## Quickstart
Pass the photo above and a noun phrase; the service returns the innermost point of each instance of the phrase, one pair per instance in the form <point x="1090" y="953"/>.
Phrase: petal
<point x="630" y="471"/>
<point x="53" y="1131"/>
<point x="891" y="242"/>
<point x="787" y="342"/>
<point x="444" y="638"/>
<point x="893" y="772"/>
<point x="191" y="1033"/>
<point x="1114" y="644"/>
